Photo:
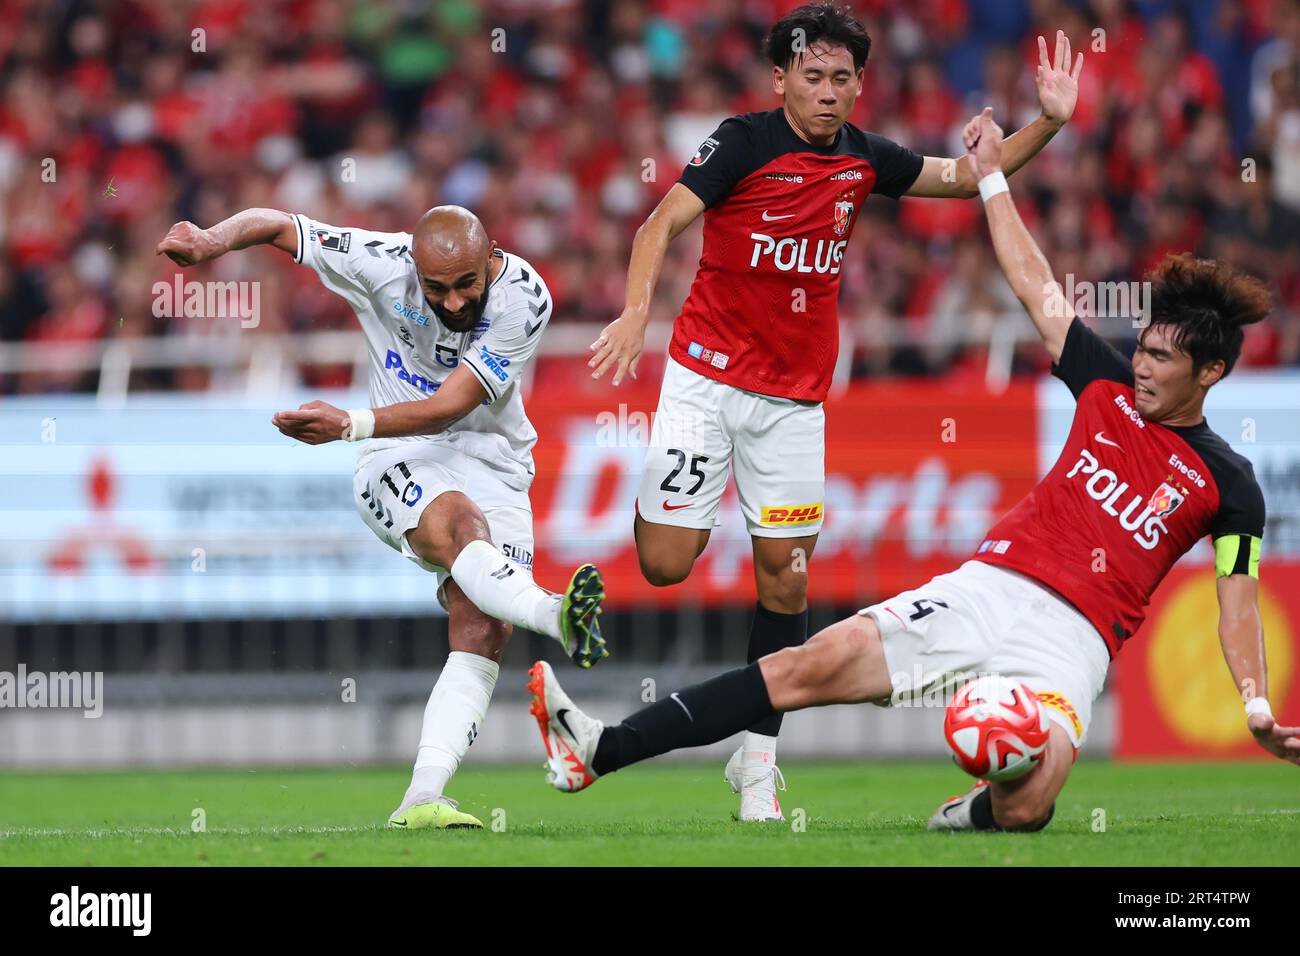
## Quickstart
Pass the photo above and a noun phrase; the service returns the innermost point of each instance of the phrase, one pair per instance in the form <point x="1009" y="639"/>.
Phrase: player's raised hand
<point x="1058" y="85"/>
<point x="186" y="244"/>
<point x="1283" y="742"/>
<point x="983" y="140"/>
<point x="314" y="423"/>
<point x="619" y="344"/>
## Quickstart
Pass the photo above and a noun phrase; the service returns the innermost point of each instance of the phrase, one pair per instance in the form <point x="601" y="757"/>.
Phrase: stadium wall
<point x="189" y="511"/>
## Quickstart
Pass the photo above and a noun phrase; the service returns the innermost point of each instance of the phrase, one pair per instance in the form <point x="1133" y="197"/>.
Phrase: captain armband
<point x="1236" y="554"/>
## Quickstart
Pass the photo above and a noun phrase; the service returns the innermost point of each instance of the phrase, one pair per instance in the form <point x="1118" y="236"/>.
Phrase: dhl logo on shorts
<point x="1059" y="703"/>
<point x="798" y="514"/>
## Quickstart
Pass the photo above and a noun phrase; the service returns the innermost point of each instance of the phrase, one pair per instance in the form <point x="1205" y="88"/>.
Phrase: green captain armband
<point x="1236" y="554"/>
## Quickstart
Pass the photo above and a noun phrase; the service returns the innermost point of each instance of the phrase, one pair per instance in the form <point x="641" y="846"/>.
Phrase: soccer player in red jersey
<point x="1142" y="477"/>
<point x="754" y="347"/>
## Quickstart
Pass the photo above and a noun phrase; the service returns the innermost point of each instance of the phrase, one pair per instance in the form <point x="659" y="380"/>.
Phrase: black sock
<point x="1051" y="812"/>
<point x="698" y="715"/>
<point x="770" y="632"/>
<point x="981" y="811"/>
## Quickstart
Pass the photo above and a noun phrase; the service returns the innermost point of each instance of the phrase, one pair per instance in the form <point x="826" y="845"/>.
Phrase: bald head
<point x="453" y="257"/>
<point x="447" y="232"/>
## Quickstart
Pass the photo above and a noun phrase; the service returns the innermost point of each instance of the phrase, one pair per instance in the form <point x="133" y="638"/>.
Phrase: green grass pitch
<point x="868" y="813"/>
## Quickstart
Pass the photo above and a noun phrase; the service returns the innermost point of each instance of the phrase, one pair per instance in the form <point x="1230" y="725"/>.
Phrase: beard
<point x="467" y="318"/>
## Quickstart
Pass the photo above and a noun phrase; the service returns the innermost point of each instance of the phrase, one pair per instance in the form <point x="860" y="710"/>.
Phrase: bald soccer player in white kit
<point x="451" y="322"/>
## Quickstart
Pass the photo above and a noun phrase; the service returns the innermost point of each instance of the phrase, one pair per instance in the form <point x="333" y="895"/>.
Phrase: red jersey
<point x="761" y="314"/>
<point x="1126" y="499"/>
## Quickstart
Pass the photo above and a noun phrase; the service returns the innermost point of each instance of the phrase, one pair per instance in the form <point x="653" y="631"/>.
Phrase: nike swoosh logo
<point x="668" y="507"/>
<point x="559" y="715"/>
<point x="1101" y="437"/>
<point x="397" y="823"/>
<point x="767" y="218"/>
<point x="682" y="705"/>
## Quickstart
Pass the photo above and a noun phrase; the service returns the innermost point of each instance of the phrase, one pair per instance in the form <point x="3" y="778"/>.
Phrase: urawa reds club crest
<point x="843" y="216"/>
<point x="1165" y="500"/>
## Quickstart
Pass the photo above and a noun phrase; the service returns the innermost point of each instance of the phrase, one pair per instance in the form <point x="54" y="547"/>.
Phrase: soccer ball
<point x="996" y="728"/>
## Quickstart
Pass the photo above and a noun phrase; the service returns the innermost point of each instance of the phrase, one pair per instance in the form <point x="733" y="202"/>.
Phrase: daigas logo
<point x="798" y="514"/>
<point x="1104" y="486"/>
<point x="792" y="254"/>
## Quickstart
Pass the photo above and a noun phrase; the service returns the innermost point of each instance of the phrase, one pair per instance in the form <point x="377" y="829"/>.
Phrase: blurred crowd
<point x="562" y="123"/>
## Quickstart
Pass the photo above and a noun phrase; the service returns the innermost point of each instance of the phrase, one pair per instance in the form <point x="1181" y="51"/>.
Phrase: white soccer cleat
<point x="757" y="782"/>
<point x="570" y="735"/>
<point x="954" y="813"/>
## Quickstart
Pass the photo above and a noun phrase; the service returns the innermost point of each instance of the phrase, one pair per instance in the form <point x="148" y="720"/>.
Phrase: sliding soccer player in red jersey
<point x="1142" y="477"/>
<point x="755" y="344"/>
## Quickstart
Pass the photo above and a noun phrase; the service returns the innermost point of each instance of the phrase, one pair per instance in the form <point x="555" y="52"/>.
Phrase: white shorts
<point x="982" y="619"/>
<point x="775" y="446"/>
<point x="393" y="485"/>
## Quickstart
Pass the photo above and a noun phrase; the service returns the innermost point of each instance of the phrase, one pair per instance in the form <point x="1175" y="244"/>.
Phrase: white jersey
<point x="412" y="353"/>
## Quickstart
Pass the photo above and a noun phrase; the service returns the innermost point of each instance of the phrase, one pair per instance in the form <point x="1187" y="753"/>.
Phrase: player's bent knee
<point x="485" y="637"/>
<point x="448" y="524"/>
<point x="663" y="567"/>
<point x="834" y="666"/>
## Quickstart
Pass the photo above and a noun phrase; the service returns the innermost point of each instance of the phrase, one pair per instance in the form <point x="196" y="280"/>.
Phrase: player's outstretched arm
<point x="1241" y="636"/>
<point x="620" y="343"/>
<point x="1022" y="262"/>
<point x="1058" y="93"/>
<point x="316" y="423"/>
<point x="186" y="244"/>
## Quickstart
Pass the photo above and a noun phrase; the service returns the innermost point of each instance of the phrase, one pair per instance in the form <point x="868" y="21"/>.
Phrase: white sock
<point x="452" y="719"/>
<point x="501" y="589"/>
<point x="758" y="748"/>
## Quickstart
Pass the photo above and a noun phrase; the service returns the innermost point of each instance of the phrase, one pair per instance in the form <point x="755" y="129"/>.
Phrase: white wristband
<point x="360" y="426"/>
<point x="992" y="184"/>
<point x="1258" y="705"/>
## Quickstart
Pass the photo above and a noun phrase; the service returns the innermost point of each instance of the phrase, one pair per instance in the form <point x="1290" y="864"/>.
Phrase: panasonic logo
<point x="394" y="361"/>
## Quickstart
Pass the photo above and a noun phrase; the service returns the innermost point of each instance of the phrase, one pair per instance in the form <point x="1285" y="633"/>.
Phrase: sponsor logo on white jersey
<point x="495" y="363"/>
<point x="415" y="315"/>
<point x="394" y="361"/>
